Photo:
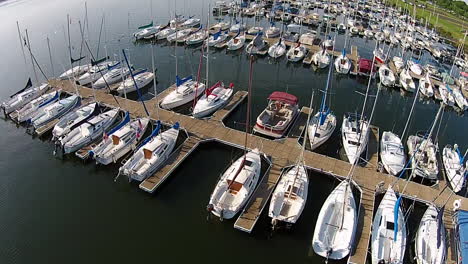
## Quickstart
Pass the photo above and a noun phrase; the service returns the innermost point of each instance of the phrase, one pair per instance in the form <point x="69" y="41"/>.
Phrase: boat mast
<point x="21" y="42"/>
<point x="32" y="58"/>
<point x="50" y="57"/>
<point x="207" y="48"/>
<point x="154" y="78"/>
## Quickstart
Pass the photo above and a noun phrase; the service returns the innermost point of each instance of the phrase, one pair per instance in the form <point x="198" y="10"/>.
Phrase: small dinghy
<point x="406" y="81"/>
<point x="75" y="72"/>
<point x="88" y="131"/>
<point x="257" y="46"/>
<point x="236" y="42"/>
<point x="321" y="59"/>
<point x="96" y="72"/>
<point x="342" y="63"/>
<point x="185" y="91"/>
<point x="19" y="100"/>
<point x="454" y="169"/>
<point x="386" y="76"/>
<point x="425" y="87"/>
<point x="30" y="109"/>
<point x="388" y="239"/>
<point x="392" y="153"/>
<point x="296" y="53"/>
<point x="278" y="116"/>
<point x="153" y="153"/>
<point x="120" y="141"/>
<point x="430" y="244"/>
<point x="74" y="119"/>
<point x="213" y="99"/>
<point x="336" y="223"/>
<point x="54" y="111"/>
<point x="355" y="135"/>
<point x="424" y="161"/>
<point x="142" y="78"/>
<point x="277" y="50"/>
<point x="236" y="185"/>
<point x="113" y="76"/>
<point x="290" y="196"/>
<point x="217" y="38"/>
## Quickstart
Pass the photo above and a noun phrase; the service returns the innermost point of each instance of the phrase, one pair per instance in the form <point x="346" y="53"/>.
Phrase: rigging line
<point x="21" y="43"/>
<point x="102" y="75"/>
<point x="135" y="83"/>
<point x="99" y="39"/>
<point x="198" y="80"/>
<point x="28" y="45"/>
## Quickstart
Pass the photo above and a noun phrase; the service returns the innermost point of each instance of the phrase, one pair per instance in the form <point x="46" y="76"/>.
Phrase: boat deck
<point x="282" y="152"/>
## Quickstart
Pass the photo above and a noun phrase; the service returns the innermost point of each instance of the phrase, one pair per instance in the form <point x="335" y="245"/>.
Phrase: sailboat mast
<point x="411" y="113"/>
<point x="21" y="42"/>
<point x="32" y="58"/>
<point x="207" y="49"/>
<point x="50" y="57"/>
<point x="368" y="84"/>
<point x="69" y="44"/>
<point x="154" y="79"/>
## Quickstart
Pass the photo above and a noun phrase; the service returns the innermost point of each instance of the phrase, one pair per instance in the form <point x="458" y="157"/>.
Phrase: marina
<point x="287" y="138"/>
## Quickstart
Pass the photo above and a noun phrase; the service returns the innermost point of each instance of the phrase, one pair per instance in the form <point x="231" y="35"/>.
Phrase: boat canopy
<point x="365" y="65"/>
<point x="461" y="234"/>
<point x="283" y="97"/>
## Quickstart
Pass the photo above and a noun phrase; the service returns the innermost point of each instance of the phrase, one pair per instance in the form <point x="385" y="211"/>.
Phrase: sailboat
<point x="392" y="153"/>
<point x="290" y="195"/>
<point x="321" y="59"/>
<point x="425" y="86"/>
<point x="120" y="140"/>
<point x="74" y="119"/>
<point x="386" y="76"/>
<point x="96" y="72"/>
<point x="217" y="38"/>
<point x="18" y="100"/>
<point x="425" y="151"/>
<point x="454" y="169"/>
<point x="236" y="42"/>
<point x="142" y="78"/>
<point x="88" y="132"/>
<point x="54" y="111"/>
<point x="296" y="53"/>
<point x="152" y="154"/>
<point x="238" y="182"/>
<point x="278" y="49"/>
<point x="321" y="126"/>
<point x="342" y="63"/>
<point x="257" y="45"/>
<point x="406" y="81"/>
<point x="430" y="244"/>
<point x="25" y="113"/>
<point x="388" y="237"/>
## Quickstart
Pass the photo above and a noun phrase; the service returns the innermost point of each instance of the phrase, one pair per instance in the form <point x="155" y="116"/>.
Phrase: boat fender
<point x="456" y="204"/>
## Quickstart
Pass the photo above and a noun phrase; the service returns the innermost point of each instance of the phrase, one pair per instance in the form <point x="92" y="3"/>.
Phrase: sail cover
<point x="440" y="225"/>
<point x="179" y="81"/>
<point x="395" y="220"/>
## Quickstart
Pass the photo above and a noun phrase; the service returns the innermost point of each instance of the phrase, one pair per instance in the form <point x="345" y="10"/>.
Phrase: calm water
<point x="53" y="210"/>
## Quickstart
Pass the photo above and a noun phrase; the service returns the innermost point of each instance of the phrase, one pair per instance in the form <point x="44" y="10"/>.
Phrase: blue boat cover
<point x="395" y="220"/>
<point x="179" y="81"/>
<point x="462" y="235"/>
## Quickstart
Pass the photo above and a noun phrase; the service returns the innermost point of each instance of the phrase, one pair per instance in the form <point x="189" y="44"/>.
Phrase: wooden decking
<point x="373" y="149"/>
<point x="283" y="153"/>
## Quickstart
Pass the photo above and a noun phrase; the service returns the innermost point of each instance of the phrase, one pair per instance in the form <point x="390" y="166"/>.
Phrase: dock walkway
<point x="283" y="153"/>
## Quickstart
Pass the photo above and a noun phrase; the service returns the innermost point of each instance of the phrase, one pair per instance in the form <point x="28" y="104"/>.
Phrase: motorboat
<point x="142" y="78"/>
<point x="30" y="109"/>
<point x="392" y="153"/>
<point x="406" y="81"/>
<point x="236" y="185"/>
<point x="54" y="111"/>
<point x="454" y="169"/>
<point x="430" y="244"/>
<point x="342" y="63"/>
<point x="424" y="158"/>
<point x="120" y="141"/>
<point x="19" y="100"/>
<point x="336" y="223"/>
<point x="186" y="91"/>
<point x="153" y="153"/>
<point x="236" y="42"/>
<point x="296" y="53"/>
<point x="355" y="135"/>
<point x="388" y="239"/>
<point x="321" y="59"/>
<point x="257" y="46"/>
<point x="113" y="76"/>
<point x="386" y="76"/>
<point x="277" y="50"/>
<point x="97" y="71"/>
<point x="88" y="131"/>
<point x="74" y="119"/>
<point x="213" y="99"/>
<point x="278" y="116"/>
<point x="290" y="196"/>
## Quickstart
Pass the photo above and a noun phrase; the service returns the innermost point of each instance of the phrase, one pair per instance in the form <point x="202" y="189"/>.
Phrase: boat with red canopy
<point x="278" y="116"/>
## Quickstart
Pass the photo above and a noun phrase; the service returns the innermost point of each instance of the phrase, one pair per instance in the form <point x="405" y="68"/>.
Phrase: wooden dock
<point x="373" y="148"/>
<point x="282" y="152"/>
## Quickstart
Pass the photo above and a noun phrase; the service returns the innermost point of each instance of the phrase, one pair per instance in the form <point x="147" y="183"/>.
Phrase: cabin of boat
<point x="280" y="113"/>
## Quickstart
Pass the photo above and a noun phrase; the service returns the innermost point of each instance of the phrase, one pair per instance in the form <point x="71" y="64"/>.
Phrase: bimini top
<point x="283" y="97"/>
<point x="365" y="65"/>
<point x="462" y="235"/>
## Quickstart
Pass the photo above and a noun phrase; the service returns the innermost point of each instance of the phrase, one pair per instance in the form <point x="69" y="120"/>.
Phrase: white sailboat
<point x="446" y="94"/>
<point x="185" y="91"/>
<point x="296" y="53"/>
<point x="142" y="78"/>
<point x="355" y="135"/>
<point x="153" y="153"/>
<point x="406" y="81"/>
<point x="388" y="239"/>
<point x="30" y="109"/>
<point x="424" y="163"/>
<point x="88" y="131"/>
<point x="73" y="119"/>
<point x="277" y="50"/>
<point x="54" y="111"/>
<point x="321" y="59"/>
<point x="120" y="141"/>
<point x="342" y="63"/>
<point x="386" y="76"/>
<point x="454" y="169"/>
<point x="430" y="244"/>
<point x="19" y="100"/>
<point x="392" y="153"/>
<point x="425" y="86"/>
<point x="236" y="42"/>
<point x="111" y="77"/>
<point x="217" y="38"/>
<point x="96" y="72"/>
<point x="75" y="72"/>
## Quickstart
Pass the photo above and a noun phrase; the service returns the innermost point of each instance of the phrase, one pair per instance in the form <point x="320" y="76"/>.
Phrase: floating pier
<point x="282" y="152"/>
